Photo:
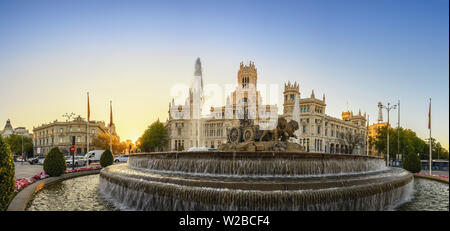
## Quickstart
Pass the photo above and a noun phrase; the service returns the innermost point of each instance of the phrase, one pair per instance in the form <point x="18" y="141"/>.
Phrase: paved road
<point x="25" y="170"/>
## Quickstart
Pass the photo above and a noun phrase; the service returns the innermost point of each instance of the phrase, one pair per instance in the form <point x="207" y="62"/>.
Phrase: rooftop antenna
<point x="380" y="112"/>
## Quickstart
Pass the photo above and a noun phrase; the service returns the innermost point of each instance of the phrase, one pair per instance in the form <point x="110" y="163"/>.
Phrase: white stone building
<point x="187" y="129"/>
<point x="9" y="130"/>
<point x="318" y="132"/>
<point x="322" y="133"/>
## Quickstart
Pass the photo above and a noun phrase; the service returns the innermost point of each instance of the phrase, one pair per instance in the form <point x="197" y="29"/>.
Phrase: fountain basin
<point x="255" y="181"/>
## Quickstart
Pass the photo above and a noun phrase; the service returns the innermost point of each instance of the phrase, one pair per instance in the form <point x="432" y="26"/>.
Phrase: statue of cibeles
<point x="249" y="137"/>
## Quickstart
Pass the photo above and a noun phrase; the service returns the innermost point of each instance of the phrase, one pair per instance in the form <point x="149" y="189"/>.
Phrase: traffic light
<point x="73" y="140"/>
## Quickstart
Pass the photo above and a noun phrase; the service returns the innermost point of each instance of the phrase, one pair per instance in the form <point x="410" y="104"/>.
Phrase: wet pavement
<point x="25" y="169"/>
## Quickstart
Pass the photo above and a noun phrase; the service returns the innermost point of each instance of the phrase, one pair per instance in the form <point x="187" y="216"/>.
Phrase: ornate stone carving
<point x="248" y="137"/>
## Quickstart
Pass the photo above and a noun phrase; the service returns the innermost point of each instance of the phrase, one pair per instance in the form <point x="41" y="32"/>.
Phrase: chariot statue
<point x="248" y="136"/>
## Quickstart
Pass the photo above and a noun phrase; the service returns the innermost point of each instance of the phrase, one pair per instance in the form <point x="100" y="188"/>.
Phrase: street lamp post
<point x="388" y="108"/>
<point x="398" y="134"/>
<point x="23" y="156"/>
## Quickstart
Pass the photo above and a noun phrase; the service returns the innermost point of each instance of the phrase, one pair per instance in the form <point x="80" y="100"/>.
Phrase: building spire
<point x="198" y="70"/>
<point x="312" y="95"/>
<point x="198" y="67"/>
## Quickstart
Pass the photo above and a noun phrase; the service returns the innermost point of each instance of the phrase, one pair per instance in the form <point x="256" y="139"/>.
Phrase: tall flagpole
<point x="429" y="127"/>
<point x="110" y="126"/>
<point x="398" y="131"/>
<point x="87" y="130"/>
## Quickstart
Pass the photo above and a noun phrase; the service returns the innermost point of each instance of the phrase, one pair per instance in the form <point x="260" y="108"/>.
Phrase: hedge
<point x="55" y="163"/>
<point x="411" y="162"/>
<point x="106" y="159"/>
<point x="7" y="181"/>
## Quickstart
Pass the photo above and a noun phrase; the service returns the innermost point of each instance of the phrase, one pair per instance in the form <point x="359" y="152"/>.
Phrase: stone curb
<point x="20" y="201"/>
<point x="436" y="178"/>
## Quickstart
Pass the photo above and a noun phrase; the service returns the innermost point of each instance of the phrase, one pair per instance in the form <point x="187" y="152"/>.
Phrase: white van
<point x="94" y="156"/>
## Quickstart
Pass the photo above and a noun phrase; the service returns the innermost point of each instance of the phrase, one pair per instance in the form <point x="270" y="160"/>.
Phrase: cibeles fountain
<point x="255" y="180"/>
<point x="255" y="170"/>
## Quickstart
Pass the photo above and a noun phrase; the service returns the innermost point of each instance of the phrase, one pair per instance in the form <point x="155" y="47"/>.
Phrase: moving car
<point x="122" y="158"/>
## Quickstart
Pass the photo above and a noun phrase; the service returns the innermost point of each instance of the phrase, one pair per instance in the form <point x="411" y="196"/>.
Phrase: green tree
<point x="15" y="143"/>
<point x="155" y="138"/>
<point x="55" y="163"/>
<point x="7" y="182"/>
<point x="438" y="152"/>
<point x="103" y="140"/>
<point x="411" y="162"/>
<point x="409" y="142"/>
<point x="106" y="158"/>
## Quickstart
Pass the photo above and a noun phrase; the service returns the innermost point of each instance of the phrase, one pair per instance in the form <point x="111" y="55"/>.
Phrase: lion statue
<point x="281" y="132"/>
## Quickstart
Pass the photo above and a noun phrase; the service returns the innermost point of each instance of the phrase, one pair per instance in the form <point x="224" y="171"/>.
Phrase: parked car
<point x="79" y="161"/>
<point x="122" y="158"/>
<point x="33" y="160"/>
<point x="198" y="149"/>
<point x="93" y="156"/>
<point x="41" y="160"/>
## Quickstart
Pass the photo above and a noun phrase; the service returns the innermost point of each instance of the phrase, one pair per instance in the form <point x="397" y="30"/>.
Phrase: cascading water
<point x="254" y="181"/>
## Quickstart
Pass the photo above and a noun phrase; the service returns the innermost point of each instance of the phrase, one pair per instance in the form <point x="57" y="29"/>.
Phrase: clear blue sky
<point x="53" y="52"/>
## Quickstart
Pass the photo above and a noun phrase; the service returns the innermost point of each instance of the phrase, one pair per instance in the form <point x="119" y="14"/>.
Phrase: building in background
<point x="9" y="130"/>
<point x="60" y="134"/>
<point x="320" y="132"/>
<point x="372" y="134"/>
<point x="186" y="129"/>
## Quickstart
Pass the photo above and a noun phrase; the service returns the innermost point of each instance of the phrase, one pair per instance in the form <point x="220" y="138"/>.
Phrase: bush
<point x="411" y="162"/>
<point x="7" y="181"/>
<point x="106" y="159"/>
<point x="55" y="163"/>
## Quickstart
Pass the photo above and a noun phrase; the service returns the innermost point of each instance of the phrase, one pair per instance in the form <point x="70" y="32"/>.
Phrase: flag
<point x="111" y="116"/>
<point x="88" y="109"/>
<point x="429" y="116"/>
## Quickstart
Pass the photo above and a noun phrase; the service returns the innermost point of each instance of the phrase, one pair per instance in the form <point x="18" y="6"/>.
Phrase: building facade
<point x="318" y="132"/>
<point x="60" y="134"/>
<point x="322" y="133"/>
<point x="372" y="134"/>
<point x="187" y="129"/>
<point x="9" y="130"/>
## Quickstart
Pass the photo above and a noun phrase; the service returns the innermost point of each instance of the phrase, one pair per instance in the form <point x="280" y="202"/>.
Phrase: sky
<point x="134" y="52"/>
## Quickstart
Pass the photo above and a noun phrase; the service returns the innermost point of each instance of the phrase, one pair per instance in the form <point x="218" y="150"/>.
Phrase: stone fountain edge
<point x="21" y="200"/>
